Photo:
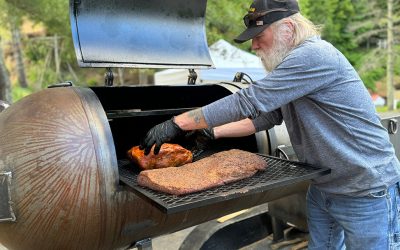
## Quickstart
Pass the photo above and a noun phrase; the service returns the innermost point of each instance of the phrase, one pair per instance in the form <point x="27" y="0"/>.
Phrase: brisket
<point x="216" y="170"/>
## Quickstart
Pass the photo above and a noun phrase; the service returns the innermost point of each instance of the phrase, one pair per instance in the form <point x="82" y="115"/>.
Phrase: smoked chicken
<point x="170" y="155"/>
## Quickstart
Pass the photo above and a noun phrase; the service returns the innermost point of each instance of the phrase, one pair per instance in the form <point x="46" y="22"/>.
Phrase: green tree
<point x="334" y="16"/>
<point x="54" y="14"/>
<point x="5" y="84"/>
<point x="368" y="24"/>
<point x="52" y="58"/>
<point x="224" y="20"/>
<point x="14" y="23"/>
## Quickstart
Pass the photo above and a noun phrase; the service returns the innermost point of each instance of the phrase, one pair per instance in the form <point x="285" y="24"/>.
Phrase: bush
<point x="371" y="77"/>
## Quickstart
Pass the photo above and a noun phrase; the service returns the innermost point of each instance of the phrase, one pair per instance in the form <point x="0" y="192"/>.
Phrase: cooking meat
<point x="216" y="170"/>
<point x="170" y="155"/>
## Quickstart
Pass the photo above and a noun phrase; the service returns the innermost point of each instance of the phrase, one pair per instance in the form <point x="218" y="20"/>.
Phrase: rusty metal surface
<point x="6" y="211"/>
<point x="140" y="33"/>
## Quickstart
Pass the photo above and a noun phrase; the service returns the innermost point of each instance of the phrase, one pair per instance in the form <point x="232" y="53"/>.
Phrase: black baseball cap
<point x="263" y="13"/>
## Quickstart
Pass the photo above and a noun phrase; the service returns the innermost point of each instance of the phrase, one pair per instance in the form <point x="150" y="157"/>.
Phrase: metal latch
<point x="6" y="211"/>
<point x="109" y="78"/>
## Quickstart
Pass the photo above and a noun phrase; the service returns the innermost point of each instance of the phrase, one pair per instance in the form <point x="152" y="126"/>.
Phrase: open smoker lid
<point x="140" y="33"/>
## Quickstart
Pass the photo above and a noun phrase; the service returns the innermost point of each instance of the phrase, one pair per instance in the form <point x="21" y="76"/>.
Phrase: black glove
<point x="159" y="134"/>
<point x="202" y="139"/>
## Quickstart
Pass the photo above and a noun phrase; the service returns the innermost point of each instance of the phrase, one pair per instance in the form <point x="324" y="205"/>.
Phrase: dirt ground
<point x="167" y="242"/>
<point x="173" y="242"/>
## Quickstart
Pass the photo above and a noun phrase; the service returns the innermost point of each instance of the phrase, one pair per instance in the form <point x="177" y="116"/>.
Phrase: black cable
<point x="251" y="80"/>
<point x="239" y="77"/>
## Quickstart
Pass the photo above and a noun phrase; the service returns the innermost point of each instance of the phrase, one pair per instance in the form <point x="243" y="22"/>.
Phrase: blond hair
<point x="303" y="28"/>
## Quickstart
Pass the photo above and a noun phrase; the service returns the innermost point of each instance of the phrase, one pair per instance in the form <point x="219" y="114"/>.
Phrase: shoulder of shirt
<point x="315" y="43"/>
<point x="316" y="48"/>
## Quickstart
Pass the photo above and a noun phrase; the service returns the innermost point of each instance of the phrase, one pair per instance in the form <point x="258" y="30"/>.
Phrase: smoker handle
<point x="61" y="85"/>
<point x="392" y="126"/>
<point x="285" y="152"/>
<point x="280" y="153"/>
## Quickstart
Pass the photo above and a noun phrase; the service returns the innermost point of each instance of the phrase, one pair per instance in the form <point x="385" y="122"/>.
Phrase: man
<point x="331" y="121"/>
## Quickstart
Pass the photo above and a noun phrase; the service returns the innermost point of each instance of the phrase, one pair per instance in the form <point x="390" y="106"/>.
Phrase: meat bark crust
<point x="170" y="155"/>
<point x="213" y="171"/>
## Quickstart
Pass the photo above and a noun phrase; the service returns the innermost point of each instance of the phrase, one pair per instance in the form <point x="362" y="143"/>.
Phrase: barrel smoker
<point x="65" y="182"/>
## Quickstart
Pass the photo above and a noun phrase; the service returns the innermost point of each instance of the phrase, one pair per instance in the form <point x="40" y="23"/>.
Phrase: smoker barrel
<point x="65" y="191"/>
<point x="63" y="153"/>
<point x="60" y="147"/>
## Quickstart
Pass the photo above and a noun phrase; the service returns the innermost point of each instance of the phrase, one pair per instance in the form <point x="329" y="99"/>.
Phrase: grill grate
<point x="278" y="173"/>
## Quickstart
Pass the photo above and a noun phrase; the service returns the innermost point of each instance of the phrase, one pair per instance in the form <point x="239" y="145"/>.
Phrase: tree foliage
<point x="355" y="27"/>
<point x="224" y="20"/>
<point x="54" y="14"/>
<point x="334" y="16"/>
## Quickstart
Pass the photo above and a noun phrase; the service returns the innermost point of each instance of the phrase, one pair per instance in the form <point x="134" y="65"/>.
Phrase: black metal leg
<point x="277" y="229"/>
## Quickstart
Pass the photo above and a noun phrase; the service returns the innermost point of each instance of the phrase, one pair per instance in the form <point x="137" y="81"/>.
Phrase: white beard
<point x="273" y="56"/>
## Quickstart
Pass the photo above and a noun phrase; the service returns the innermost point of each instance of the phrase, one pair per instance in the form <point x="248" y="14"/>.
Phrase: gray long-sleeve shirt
<point x="328" y="113"/>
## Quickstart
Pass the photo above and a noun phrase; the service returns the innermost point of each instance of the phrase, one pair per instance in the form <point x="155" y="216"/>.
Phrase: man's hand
<point x="159" y="134"/>
<point x="202" y="139"/>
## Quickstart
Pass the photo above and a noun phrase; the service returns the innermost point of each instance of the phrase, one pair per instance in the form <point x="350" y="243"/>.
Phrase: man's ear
<point x="290" y="29"/>
<point x="289" y="24"/>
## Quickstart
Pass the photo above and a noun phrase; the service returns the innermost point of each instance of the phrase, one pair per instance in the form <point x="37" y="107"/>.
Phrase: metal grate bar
<point x="278" y="173"/>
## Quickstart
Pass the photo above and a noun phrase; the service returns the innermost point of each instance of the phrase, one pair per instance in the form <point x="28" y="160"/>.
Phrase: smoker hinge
<point x="3" y="105"/>
<point x="6" y="211"/>
<point x="109" y="77"/>
<point x="192" y="77"/>
<point x="76" y="3"/>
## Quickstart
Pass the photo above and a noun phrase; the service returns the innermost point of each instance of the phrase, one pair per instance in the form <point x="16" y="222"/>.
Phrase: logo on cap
<point x="262" y="13"/>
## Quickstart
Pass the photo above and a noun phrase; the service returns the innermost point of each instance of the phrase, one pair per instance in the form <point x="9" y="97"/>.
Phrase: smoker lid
<point x="140" y="33"/>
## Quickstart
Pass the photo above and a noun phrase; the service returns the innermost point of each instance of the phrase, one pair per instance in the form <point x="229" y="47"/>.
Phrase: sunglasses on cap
<point x="250" y="19"/>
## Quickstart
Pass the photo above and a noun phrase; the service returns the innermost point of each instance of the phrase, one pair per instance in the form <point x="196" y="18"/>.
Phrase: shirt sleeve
<point x="307" y="69"/>
<point x="268" y="120"/>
